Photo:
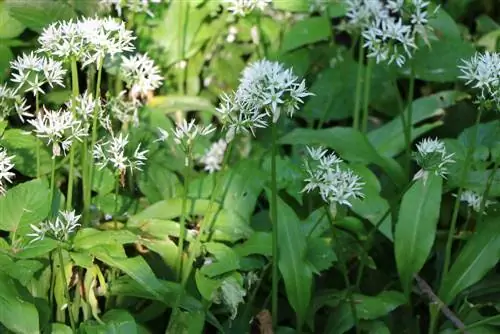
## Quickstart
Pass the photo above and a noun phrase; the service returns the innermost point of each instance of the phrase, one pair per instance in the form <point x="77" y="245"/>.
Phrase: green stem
<point x="66" y="289"/>
<point x="366" y="98"/>
<point x="344" y="270"/>
<point x="406" y="163"/>
<point x="409" y="119"/>
<point x="75" y="91"/>
<point x="182" y="225"/>
<point x="115" y="211"/>
<point x="37" y="107"/>
<point x="89" y="160"/>
<point x="463" y="176"/>
<point x="52" y="181"/>
<point x="359" y="79"/>
<point x="274" y="219"/>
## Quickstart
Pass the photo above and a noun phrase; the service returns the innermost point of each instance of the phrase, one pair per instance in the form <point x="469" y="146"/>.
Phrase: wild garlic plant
<point x="6" y="166"/>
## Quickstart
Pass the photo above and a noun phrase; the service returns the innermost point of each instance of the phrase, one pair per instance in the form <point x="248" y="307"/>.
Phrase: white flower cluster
<point x="88" y="40"/>
<point x="390" y="28"/>
<point x="141" y="75"/>
<point x="123" y="109"/>
<point x="482" y="72"/>
<point x="231" y="294"/>
<point x="6" y="166"/>
<point x="474" y="200"/>
<point x="136" y="6"/>
<point x="11" y="100"/>
<point x="112" y="152"/>
<point x="60" y="127"/>
<point x="58" y="229"/>
<point x="31" y="72"/>
<point x="266" y="89"/>
<point x="214" y="156"/>
<point x="431" y="157"/>
<point x="243" y="7"/>
<point x="336" y="185"/>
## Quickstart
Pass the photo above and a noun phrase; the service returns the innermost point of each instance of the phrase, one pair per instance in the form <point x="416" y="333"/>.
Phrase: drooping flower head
<point x="431" y="156"/>
<point x="60" y="128"/>
<point x="58" y="229"/>
<point x="6" y="166"/>
<point x="31" y="72"/>
<point x="482" y="72"/>
<point x="336" y="184"/>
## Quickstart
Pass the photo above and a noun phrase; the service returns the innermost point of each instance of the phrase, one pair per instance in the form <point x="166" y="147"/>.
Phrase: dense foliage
<point x="242" y="166"/>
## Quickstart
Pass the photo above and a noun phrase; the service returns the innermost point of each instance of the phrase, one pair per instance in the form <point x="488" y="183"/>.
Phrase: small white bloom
<point x="10" y="101"/>
<point x="6" y="166"/>
<point x="59" y="229"/>
<point x="85" y="104"/>
<point x="231" y="294"/>
<point x="214" y="156"/>
<point x="141" y="74"/>
<point x="243" y="7"/>
<point x="60" y="128"/>
<point x="482" y="72"/>
<point x="474" y="200"/>
<point x="431" y="156"/>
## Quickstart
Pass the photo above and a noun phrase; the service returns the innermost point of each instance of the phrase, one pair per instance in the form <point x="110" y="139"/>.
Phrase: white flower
<point x="214" y="156"/>
<point x="474" y="200"/>
<point x="243" y="7"/>
<point x="231" y="294"/>
<point x="112" y="152"/>
<point x="6" y="165"/>
<point x="85" y="105"/>
<point x="60" y="128"/>
<point x="88" y="40"/>
<point x="58" y="229"/>
<point x="482" y="72"/>
<point x="141" y="74"/>
<point x="126" y="111"/>
<point x="185" y="133"/>
<point x="31" y="71"/>
<point x="431" y="157"/>
<point x="336" y="185"/>
<point x="10" y="101"/>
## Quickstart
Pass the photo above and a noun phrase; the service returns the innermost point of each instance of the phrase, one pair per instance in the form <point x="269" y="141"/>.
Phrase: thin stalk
<point x="182" y="225"/>
<point x="75" y="91"/>
<point x="345" y="274"/>
<point x="66" y="289"/>
<point x="406" y="162"/>
<point x="359" y="79"/>
<point x="37" y="107"/>
<point x="52" y="181"/>
<point x="90" y="162"/>
<point x="409" y="119"/>
<point x="274" y="219"/>
<point x="115" y="211"/>
<point x="366" y="97"/>
<point x="454" y="218"/>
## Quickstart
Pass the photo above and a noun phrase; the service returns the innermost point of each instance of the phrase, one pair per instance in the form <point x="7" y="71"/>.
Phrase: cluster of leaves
<point x="379" y="268"/>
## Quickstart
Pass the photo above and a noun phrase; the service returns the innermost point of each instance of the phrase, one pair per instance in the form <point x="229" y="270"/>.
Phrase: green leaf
<point x="22" y="270"/>
<point x="36" y="15"/>
<point x="388" y="139"/>
<point x="320" y="254"/>
<point x="292" y="5"/>
<point x="293" y="266"/>
<point x="226" y="260"/>
<point x="6" y="56"/>
<point x="167" y="104"/>
<point x="116" y="321"/>
<point x="157" y="181"/>
<point x="23" y="146"/>
<point x="103" y="181"/>
<point x="416" y="227"/>
<point x="41" y="248"/>
<point x="87" y="238"/>
<point x="60" y="329"/>
<point x="135" y="267"/>
<point x="13" y="307"/>
<point x="349" y="143"/>
<point x="308" y="31"/>
<point x="9" y="27"/>
<point x="480" y="255"/>
<point x="258" y="243"/>
<point x="23" y="205"/>
<point x="187" y="322"/>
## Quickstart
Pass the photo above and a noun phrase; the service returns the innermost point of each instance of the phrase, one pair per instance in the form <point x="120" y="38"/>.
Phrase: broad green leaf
<point x="226" y="260"/>
<point x="207" y="286"/>
<point x="116" y="321"/>
<point x="6" y="56"/>
<point x="388" y="139"/>
<point x="22" y="270"/>
<point x="480" y="254"/>
<point x="14" y="307"/>
<point x="60" y="329"/>
<point x="23" y="205"/>
<point x="293" y="266"/>
<point x="319" y="254"/>
<point x="308" y="31"/>
<point x="258" y="243"/>
<point x="36" y="15"/>
<point x="9" y="27"/>
<point x="172" y="103"/>
<point x="135" y="267"/>
<point x="292" y="5"/>
<point x="157" y="181"/>
<point x="23" y="146"/>
<point x="41" y="248"/>
<point x="87" y="238"/>
<point x="103" y="181"/>
<point x="349" y="143"/>
<point x="187" y="322"/>
<point x="416" y="227"/>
